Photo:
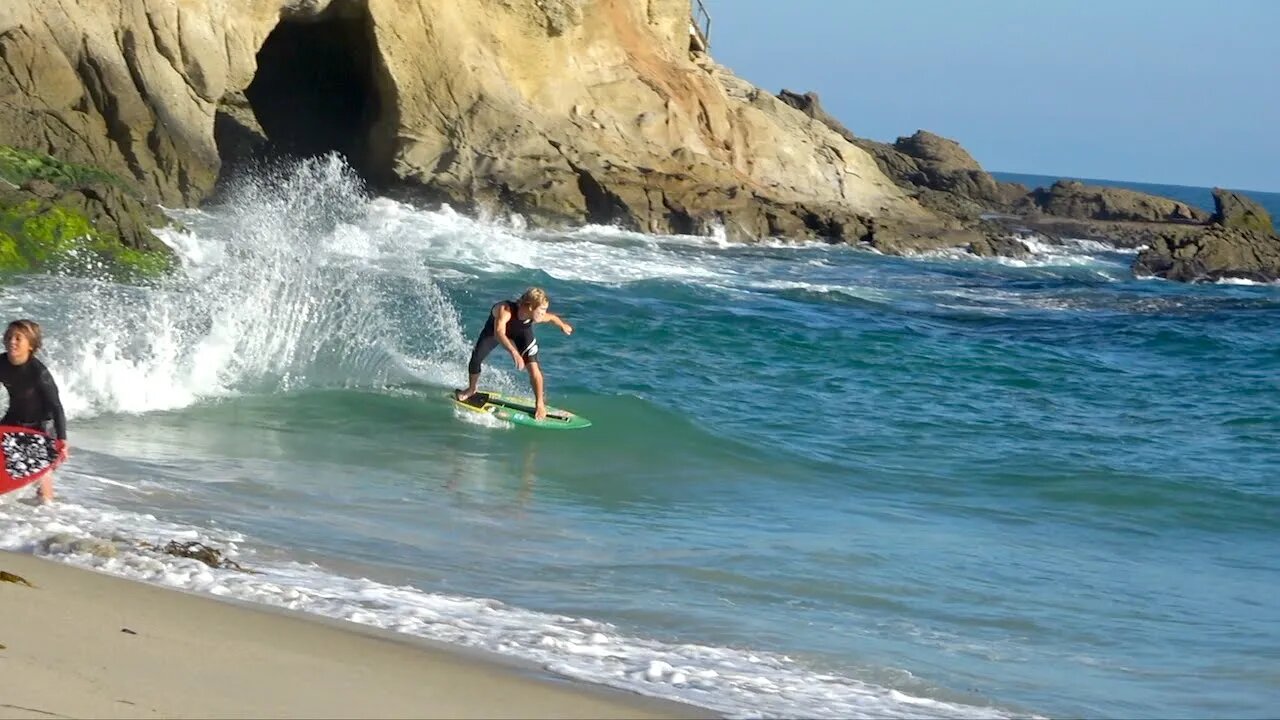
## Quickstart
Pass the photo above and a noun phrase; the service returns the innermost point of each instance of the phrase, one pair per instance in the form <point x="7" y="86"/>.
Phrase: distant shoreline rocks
<point x="1178" y="241"/>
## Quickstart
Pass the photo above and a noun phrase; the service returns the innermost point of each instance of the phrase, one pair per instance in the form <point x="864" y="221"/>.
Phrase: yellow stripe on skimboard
<point x="520" y="410"/>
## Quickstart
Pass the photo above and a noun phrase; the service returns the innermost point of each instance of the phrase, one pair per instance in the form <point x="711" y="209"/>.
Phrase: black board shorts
<point x="521" y="336"/>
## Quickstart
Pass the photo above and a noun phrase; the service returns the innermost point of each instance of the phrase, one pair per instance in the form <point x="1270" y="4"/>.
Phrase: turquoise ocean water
<point x="821" y="482"/>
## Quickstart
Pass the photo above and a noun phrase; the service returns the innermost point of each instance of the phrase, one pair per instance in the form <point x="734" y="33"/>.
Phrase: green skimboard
<point x="519" y="410"/>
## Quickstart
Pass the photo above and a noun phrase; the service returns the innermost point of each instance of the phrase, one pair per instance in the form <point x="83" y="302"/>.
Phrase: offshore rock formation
<point x="1075" y="200"/>
<point x="1241" y="242"/>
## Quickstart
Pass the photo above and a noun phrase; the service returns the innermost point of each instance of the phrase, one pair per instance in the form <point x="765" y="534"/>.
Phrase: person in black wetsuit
<point x="510" y="325"/>
<point x="33" y="395"/>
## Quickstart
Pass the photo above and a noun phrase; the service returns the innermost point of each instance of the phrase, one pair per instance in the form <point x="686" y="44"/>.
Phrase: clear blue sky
<point x="1183" y="92"/>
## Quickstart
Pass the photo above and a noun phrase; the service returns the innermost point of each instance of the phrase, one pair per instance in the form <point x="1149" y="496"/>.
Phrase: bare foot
<point x="462" y="395"/>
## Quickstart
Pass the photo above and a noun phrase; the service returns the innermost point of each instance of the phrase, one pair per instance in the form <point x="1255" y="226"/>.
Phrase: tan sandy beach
<point x="85" y="644"/>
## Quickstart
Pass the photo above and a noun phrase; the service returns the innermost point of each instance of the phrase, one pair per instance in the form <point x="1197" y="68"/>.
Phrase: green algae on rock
<point x="76" y="219"/>
<point x="19" y="166"/>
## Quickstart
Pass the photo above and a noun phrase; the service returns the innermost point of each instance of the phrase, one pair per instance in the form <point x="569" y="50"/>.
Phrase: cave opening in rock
<point x="316" y="88"/>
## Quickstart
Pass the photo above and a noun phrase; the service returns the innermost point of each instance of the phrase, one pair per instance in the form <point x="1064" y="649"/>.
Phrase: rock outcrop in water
<point x="1241" y="242"/>
<point x="1236" y="211"/>
<point x="1075" y="200"/>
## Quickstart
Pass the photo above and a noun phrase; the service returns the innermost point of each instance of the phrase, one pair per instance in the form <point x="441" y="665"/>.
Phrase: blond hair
<point x="29" y="328"/>
<point x="534" y="298"/>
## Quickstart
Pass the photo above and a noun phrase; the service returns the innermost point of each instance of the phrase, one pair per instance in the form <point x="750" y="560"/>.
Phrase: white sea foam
<point x="593" y="254"/>
<point x="1095" y="246"/>
<point x="737" y="682"/>
<point x="481" y="419"/>
<point x="286" y="286"/>
<point x="1068" y="254"/>
<point x="857" y="292"/>
<point x="1246" y="281"/>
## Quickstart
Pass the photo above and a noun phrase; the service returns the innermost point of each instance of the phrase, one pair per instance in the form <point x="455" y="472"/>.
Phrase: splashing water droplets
<point x="277" y="292"/>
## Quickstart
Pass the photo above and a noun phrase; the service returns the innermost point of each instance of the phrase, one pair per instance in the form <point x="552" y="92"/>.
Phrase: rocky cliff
<point x="566" y="111"/>
<point x="937" y="171"/>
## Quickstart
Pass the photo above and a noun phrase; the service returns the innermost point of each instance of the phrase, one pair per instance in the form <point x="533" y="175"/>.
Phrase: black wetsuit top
<point x="516" y="328"/>
<point x="33" y="396"/>
<point x="519" y="331"/>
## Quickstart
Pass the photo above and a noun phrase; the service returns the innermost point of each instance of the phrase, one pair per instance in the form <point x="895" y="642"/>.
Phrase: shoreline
<point x="83" y="643"/>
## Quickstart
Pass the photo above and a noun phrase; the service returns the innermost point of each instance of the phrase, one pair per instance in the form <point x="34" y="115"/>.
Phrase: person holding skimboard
<point x="510" y="324"/>
<point x="33" y="395"/>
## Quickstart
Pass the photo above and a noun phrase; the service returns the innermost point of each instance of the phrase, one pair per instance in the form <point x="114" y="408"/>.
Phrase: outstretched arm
<point x="556" y="320"/>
